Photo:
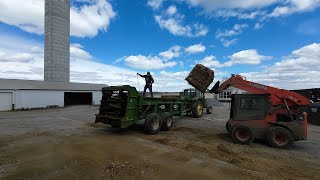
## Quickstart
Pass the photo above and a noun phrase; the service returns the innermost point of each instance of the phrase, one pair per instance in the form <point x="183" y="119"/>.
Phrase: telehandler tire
<point x="242" y="135"/>
<point x="279" y="137"/>
<point x="152" y="124"/>
<point x="197" y="109"/>
<point x="166" y="121"/>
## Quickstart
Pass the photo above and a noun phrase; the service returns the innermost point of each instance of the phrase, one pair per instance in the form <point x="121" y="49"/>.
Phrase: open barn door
<point x="77" y="98"/>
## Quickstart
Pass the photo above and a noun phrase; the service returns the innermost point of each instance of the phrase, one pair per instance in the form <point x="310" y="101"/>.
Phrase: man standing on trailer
<point x="149" y="82"/>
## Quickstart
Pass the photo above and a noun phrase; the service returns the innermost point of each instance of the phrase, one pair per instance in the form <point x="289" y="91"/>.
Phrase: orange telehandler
<point x="275" y="115"/>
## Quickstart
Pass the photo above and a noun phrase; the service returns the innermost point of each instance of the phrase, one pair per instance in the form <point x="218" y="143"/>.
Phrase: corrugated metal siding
<point x="25" y="99"/>
<point x="15" y="84"/>
<point x="6" y="101"/>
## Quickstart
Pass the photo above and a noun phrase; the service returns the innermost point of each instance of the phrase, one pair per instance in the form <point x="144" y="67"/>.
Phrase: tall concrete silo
<point x="57" y="41"/>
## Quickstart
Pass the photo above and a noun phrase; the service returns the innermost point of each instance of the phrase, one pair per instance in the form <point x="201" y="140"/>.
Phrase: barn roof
<point x="16" y="84"/>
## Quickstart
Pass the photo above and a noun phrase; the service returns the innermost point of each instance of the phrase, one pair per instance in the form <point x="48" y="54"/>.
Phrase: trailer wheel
<point x="279" y="137"/>
<point x="197" y="109"/>
<point x="166" y="121"/>
<point x="152" y="124"/>
<point x="242" y="135"/>
<point x="209" y="110"/>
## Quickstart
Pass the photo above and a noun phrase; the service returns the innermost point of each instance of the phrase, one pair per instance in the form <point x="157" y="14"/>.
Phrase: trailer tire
<point x="279" y="137"/>
<point x="197" y="109"/>
<point x="166" y="120"/>
<point x="209" y="110"/>
<point x="152" y="124"/>
<point x="242" y="135"/>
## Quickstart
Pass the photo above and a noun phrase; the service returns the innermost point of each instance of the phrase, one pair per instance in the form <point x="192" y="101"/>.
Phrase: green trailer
<point x="123" y="106"/>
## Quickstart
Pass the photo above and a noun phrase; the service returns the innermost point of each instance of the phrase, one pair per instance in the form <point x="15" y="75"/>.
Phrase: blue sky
<point x="274" y="42"/>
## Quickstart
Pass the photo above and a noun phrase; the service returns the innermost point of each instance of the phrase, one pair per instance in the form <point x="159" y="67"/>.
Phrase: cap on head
<point x="148" y="73"/>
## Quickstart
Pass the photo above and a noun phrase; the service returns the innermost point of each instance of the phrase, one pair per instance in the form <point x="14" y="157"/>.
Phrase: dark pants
<point x="145" y="89"/>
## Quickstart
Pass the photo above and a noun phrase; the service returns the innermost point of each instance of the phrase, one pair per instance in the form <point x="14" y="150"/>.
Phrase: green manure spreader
<point x="123" y="106"/>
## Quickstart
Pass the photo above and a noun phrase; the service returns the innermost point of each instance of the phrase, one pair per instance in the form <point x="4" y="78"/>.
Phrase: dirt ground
<point x="66" y="144"/>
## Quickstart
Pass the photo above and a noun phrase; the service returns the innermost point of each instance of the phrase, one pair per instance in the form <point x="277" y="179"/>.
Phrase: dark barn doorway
<point x="77" y="98"/>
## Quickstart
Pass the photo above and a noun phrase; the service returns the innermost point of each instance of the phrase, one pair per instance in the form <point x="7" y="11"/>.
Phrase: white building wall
<point x="226" y="94"/>
<point x="6" y="101"/>
<point x="25" y="99"/>
<point x="96" y="97"/>
<point x="38" y="98"/>
<point x="209" y="95"/>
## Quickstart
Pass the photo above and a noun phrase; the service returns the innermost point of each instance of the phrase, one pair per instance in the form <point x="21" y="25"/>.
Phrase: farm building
<point x="225" y="95"/>
<point x="27" y="94"/>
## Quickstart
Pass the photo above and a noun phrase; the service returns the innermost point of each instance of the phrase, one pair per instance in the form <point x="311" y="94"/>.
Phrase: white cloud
<point x="148" y="63"/>
<point x="294" y="6"/>
<point x="227" y="13"/>
<point x="258" y="26"/>
<point x="18" y="57"/>
<point x="210" y="5"/>
<point x="175" y="75"/>
<point x="236" y="30"/>
<point x="28" y="17"/>
<point x="252" y="9"/>
<point x="197" y="48"/>
<point x="172" y="81"/>
<point x="176" y="27"/>
<point x="154" y="62"/>
<point x="248" y="57"/>
<point x="251" y="57"/>
<point x="200" y="30"/>
<point x="300" y="70"/>
<point x="171" y="10"/>
<point x="76" y="50"/>
<point x="211" y="62"/>
<point x="173" y="52"/>
<point x="155" y="4"/>
<point x="241" y="9"/>
<point x="19" y="44"/>
<point x="86" y="20"/>
<point x="228" y="43"/>
<point x="309" y="52"/>
<point x="173" y="21"/>
<point x="173" y="26"/>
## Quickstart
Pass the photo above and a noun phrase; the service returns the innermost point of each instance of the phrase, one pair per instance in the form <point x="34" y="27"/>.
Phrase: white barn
<point x="29" y="94"/>
<point x="225" y="95"/>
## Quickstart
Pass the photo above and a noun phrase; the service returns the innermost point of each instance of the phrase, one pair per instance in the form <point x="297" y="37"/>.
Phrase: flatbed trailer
<point x="123" y="106"/>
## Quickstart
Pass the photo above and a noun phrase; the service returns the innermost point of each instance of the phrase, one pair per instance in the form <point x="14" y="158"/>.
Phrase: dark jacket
<point x="149" y="79"/>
